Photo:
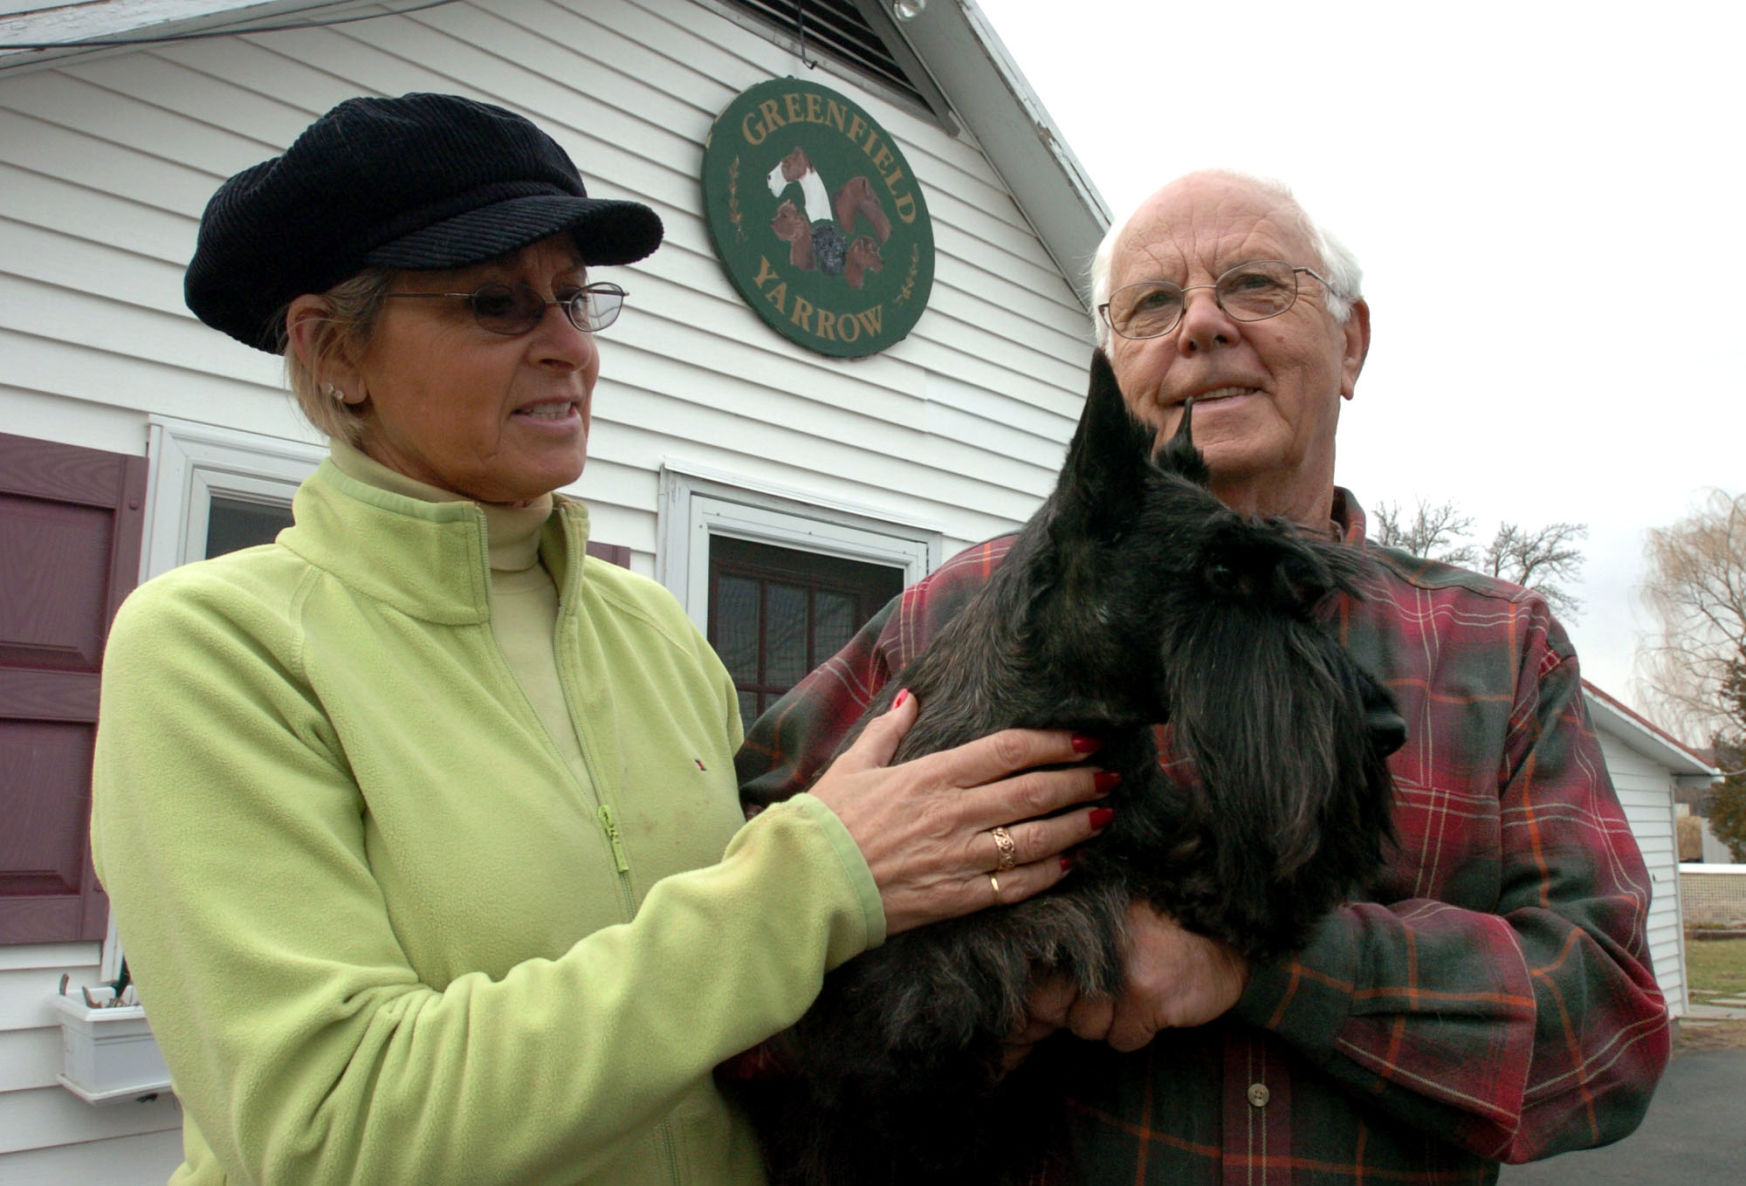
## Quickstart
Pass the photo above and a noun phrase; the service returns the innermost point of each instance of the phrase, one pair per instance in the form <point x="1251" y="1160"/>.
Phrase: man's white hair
<point x="1337" y="265"/>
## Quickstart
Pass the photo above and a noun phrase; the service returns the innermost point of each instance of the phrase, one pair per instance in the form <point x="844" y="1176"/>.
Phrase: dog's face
<point x="1137" y="548"/>
<point x="788" y="224"/>
<point x="1162" y="604"/>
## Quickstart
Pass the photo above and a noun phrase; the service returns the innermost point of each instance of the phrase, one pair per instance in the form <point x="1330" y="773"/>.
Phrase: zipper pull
<point x="611" y="827"/>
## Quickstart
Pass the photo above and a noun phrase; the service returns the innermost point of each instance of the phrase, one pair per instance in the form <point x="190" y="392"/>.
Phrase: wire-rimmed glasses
<point x="512" y="309"/>
<point x="1251" y="291"/>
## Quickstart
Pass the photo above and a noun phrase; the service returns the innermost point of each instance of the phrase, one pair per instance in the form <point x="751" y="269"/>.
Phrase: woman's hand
<point x="1172" y="979"/>
<point x="927" y="828"/>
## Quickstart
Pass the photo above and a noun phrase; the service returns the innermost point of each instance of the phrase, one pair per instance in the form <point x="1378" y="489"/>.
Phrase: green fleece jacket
<point x="382" y="931"/>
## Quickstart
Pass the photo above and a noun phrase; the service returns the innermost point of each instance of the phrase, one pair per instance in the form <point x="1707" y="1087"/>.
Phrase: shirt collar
<point x="512" y="533"/>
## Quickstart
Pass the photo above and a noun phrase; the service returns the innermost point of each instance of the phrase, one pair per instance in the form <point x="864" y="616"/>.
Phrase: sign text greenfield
<point x="817" y="218"/>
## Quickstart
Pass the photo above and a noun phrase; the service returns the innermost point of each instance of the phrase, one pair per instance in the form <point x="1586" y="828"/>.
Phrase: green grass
<point x="1716" y="965"/>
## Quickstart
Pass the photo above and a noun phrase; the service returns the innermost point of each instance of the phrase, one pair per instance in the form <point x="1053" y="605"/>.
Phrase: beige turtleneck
<point x="524" y="600"/>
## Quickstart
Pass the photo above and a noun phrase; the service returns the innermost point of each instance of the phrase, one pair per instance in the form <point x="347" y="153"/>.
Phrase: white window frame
<point x="698" y="503"/>
<point x="191" y="463"/>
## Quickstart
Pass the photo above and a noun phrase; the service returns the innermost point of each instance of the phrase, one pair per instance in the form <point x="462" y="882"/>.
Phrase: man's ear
<point x="1357" y="332"/>
<point x="303" y="321"/>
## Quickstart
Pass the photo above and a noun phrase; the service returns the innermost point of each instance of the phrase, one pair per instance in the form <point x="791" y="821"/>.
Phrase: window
<point x="214" y="490"/>
<point x="776" y="613"/>
<point x="779" y="579"/>
<point x="233" y="523"/>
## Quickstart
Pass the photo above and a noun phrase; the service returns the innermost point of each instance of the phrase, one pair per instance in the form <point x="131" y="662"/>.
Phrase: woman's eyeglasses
<point x="512" y="309"/>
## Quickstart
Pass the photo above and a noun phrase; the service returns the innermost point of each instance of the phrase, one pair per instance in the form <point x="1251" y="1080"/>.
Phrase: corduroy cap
<point x="421" y="182"/>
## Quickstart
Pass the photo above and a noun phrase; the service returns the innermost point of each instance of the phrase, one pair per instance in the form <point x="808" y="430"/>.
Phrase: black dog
<point x="1132" y="597"/>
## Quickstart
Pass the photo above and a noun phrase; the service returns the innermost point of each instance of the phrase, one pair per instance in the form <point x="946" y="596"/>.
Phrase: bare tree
<point x="1434" y="533"/>
<point x="1696" y="587"/>
<point x="1696" y="668"/>
<point x="1544" y="560"/>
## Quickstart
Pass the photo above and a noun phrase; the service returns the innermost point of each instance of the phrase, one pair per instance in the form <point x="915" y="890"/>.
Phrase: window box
<point x="108" y="1054"/>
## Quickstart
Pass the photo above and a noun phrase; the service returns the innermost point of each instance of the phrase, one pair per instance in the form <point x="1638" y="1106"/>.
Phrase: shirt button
<point x="1259" y="1095"/>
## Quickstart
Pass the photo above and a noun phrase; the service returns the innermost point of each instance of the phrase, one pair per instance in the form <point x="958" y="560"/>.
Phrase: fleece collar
<point x="430" y="560"/>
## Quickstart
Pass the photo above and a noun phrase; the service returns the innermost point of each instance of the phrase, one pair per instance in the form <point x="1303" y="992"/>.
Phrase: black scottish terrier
<point x="1133" y="597"/>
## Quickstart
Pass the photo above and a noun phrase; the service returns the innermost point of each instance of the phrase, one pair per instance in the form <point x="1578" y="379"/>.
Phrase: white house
<point x="132" y="438"/>
<point x="1647" y="765"/>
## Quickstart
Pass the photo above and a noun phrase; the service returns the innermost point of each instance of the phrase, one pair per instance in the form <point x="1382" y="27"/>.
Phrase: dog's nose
<point x="1388" y="731"/>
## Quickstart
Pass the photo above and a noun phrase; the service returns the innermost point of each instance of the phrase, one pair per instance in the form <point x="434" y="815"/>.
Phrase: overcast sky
<point x="1547" y="202"/>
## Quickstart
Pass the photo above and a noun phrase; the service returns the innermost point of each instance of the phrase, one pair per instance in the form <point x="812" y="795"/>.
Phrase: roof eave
<point x="988" y="92"/>
<point x="99" y="20"/>
<point x="1645" y="737"/>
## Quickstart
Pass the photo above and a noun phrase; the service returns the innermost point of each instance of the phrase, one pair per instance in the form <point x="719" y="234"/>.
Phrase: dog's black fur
<point x="1132" y="597"/>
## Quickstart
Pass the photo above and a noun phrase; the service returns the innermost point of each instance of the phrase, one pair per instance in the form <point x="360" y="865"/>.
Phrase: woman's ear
<point x="305" y="319"/>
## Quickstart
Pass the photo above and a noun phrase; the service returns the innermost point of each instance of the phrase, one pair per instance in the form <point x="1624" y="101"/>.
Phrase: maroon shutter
<point x="71" y="521"/>
<point x="618" y="554"/>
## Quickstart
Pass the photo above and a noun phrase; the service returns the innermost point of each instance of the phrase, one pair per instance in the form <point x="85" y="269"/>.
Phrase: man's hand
<point x="1047" y="1009"/>
<point x="1174" y="979"/>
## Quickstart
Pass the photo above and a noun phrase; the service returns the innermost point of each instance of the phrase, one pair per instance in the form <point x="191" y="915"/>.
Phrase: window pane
<point x="736" y="627"/>
<point x="234" y="523"/>
<point x="838" y="617"/>
<point x="785" y="633"/>
<point x="807" y="605"/>
<point x="748" y="709"/>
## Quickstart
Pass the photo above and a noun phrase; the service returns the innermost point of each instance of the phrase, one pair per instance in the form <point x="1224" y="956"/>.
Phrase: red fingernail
<point x="1105" y="780"/>
<point x="1100" y="817"/>
<point x="1084" y="745"/>
<point x="1066" y="861"/>
<point x="898" y="700"/>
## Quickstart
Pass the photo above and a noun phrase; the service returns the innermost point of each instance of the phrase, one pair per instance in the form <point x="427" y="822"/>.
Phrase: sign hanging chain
<point x="800" y="19"/>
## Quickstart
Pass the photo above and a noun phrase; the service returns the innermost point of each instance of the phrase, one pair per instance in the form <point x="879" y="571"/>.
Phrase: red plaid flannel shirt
<point x="1496" y="1003"/>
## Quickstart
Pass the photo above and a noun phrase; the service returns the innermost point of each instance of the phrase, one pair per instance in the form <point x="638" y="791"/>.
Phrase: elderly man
<point x="1495" y="1002"/>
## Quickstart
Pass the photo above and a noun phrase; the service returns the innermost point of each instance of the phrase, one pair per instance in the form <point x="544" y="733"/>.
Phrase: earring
<point x="332" y="392"/>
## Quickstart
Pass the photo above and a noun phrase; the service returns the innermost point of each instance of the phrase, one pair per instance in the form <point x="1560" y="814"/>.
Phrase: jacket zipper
<point x="610" y="827"/>
<point x="621" y="862"/>
<point x="603" y="811"/>
<point x="603" y="816"/>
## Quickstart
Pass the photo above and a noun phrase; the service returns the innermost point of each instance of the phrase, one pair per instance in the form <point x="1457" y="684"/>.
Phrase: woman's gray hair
<point x="1337" y="265"/>
<point x="352" y="306"/>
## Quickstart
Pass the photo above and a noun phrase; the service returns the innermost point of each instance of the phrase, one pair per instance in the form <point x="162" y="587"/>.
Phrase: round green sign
<point x="817" y="218"/>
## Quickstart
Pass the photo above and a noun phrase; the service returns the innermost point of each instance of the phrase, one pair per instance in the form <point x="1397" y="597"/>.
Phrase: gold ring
<point x="1008" y="849"/>
<point x="994" y="884"/>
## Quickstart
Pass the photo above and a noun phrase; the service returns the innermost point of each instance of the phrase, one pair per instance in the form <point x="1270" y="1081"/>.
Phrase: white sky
<point x="1546" y="200"/>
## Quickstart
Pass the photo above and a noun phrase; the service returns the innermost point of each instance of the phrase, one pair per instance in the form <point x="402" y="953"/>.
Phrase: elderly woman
<point x="420" y="829"/>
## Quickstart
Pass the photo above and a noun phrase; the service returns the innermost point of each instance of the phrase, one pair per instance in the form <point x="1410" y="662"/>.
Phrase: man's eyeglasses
<point x="513" y="309"/>
<point x="1248" y="292"/>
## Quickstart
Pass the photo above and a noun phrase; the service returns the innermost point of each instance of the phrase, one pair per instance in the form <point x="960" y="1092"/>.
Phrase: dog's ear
<point x="1104" y="480"/>
<point x="1179" y="456"/>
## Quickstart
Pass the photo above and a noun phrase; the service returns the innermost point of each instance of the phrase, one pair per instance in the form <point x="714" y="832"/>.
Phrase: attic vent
<point x="836" y="29"/>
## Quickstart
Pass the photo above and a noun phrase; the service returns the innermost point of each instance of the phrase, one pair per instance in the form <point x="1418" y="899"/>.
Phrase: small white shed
<point x="1647" y="765"/>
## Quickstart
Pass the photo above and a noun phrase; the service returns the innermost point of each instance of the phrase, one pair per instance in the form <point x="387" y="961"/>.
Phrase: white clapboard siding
<point x="1002" y="321"/>
<point x="116" y="1161"/>
<point x="1645" y="791"/>
<point x="106" y="164"/>
<point x="36" y="1112"/>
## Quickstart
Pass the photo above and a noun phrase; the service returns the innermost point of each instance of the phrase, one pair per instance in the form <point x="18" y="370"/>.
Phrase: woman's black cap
<point x="422" y="182"/>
